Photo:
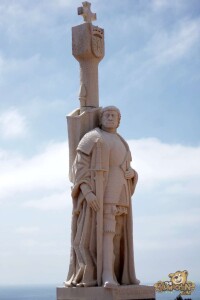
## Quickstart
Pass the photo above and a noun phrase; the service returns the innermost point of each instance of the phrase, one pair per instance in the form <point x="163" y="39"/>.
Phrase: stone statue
<point x="103" y="181"/>
<point x="102" y="151"/>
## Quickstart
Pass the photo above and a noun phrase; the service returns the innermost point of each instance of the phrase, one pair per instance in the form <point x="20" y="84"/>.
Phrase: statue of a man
<point x="119" y="181"/>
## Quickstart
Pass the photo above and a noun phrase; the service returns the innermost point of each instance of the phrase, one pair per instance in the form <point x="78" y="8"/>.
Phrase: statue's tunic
<point x="116" y="159"/>
<point x="116" y="191"/>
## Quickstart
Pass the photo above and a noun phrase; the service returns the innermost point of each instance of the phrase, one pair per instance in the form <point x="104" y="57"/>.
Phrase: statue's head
<point x="110" y="117"/>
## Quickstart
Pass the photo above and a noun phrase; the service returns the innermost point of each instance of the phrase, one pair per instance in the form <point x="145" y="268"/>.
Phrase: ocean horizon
<point x="48" y="292"/>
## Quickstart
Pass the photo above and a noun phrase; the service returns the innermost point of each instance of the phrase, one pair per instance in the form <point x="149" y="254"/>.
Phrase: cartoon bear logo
<point x="179" y="277"/>
<point x="178" y="282"/>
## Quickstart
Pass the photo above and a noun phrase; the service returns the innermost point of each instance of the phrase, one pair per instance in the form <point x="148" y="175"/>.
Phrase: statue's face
<point x="110" y="119"/>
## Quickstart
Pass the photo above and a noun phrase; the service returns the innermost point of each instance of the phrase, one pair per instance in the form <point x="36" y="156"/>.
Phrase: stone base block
<point x="100" y="293"/>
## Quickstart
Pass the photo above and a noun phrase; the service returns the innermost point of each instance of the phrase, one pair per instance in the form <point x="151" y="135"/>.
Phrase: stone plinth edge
<point x="100" y="293"/>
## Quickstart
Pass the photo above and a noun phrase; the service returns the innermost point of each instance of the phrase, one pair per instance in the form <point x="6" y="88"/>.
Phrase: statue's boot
<point x="136" y="281"/>
<point x="68" y="283"/>
<point x="90" y="283"/>
<point x="80" y="284"/>
<point x="79" y="275"/>
<point x="108" y="276"/>
<point x="89" y="277"/>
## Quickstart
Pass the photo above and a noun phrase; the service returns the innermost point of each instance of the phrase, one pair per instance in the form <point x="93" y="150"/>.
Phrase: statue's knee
<point x="109" y="224"/>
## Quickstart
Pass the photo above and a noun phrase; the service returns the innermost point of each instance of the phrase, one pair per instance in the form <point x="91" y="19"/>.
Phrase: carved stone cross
<point x="85" y="11"/>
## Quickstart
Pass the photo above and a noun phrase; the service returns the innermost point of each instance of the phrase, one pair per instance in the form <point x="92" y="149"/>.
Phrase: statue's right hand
<point x="92" y="201"/>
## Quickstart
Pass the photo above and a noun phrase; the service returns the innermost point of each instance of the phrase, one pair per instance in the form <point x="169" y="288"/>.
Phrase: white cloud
<point x="38" y="106"/>
<point x="13" y="124"/>
<point x="171" y="224"/>
<point x="63" y="3"/>
<point x="46" y="171"/>
<point x="172" y="244"/>
<point x="158" y="5"/>
<point x="30" y="243"/>
<point x="13" y="65"/>
<point x="17" y="17"/>
<point x="163" y="46"/>
<point x="57" y="201"/>
<point x="168" y="47"/>
<point x="2" y="62"/>
<point x="27" y="230"/>
<point x="176" y="165"/>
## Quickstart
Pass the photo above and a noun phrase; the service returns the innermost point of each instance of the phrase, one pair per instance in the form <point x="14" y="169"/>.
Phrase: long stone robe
<point x="82" y="269"/>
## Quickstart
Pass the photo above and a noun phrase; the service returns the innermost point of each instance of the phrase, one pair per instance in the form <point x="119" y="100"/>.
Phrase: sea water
<point x="39" y="292"/>
<point x="48" y="292"/>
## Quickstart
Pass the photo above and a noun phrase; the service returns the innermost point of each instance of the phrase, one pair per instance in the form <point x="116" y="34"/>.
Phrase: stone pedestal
<point x="100" y="293"/>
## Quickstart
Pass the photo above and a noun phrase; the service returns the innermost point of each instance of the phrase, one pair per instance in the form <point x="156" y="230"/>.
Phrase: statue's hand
<point x="92" y="201"/>
<point x="130" y="173"/>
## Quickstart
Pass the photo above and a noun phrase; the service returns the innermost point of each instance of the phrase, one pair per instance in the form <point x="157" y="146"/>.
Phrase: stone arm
<point x="130" y="173"/>
<point x="82" y="179"/>
<point x="132" y="176"/>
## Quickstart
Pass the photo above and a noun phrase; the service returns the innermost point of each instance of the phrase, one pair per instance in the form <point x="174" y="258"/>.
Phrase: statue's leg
<point x="117" y="248"/>
<point x="108" y="276"/>
<point x="128" y="274"/>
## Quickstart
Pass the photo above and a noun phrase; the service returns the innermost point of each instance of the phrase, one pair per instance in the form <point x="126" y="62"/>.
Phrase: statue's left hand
<point x="92" y="201"/>
<point x="130" y="173"/>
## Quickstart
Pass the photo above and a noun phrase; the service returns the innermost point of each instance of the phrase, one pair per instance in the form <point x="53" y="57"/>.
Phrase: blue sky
<point x="151" y="72"/>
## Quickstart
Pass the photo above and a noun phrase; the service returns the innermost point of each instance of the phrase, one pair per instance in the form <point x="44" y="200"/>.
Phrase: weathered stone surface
<point x="88" y="49"/>
<point x="103" y="184"/>
<point x="100" y="293"/>
<point x="103" y="181"/>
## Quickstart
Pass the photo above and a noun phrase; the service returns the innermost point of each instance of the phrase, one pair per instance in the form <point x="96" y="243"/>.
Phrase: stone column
<point x="88" y="49"/>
